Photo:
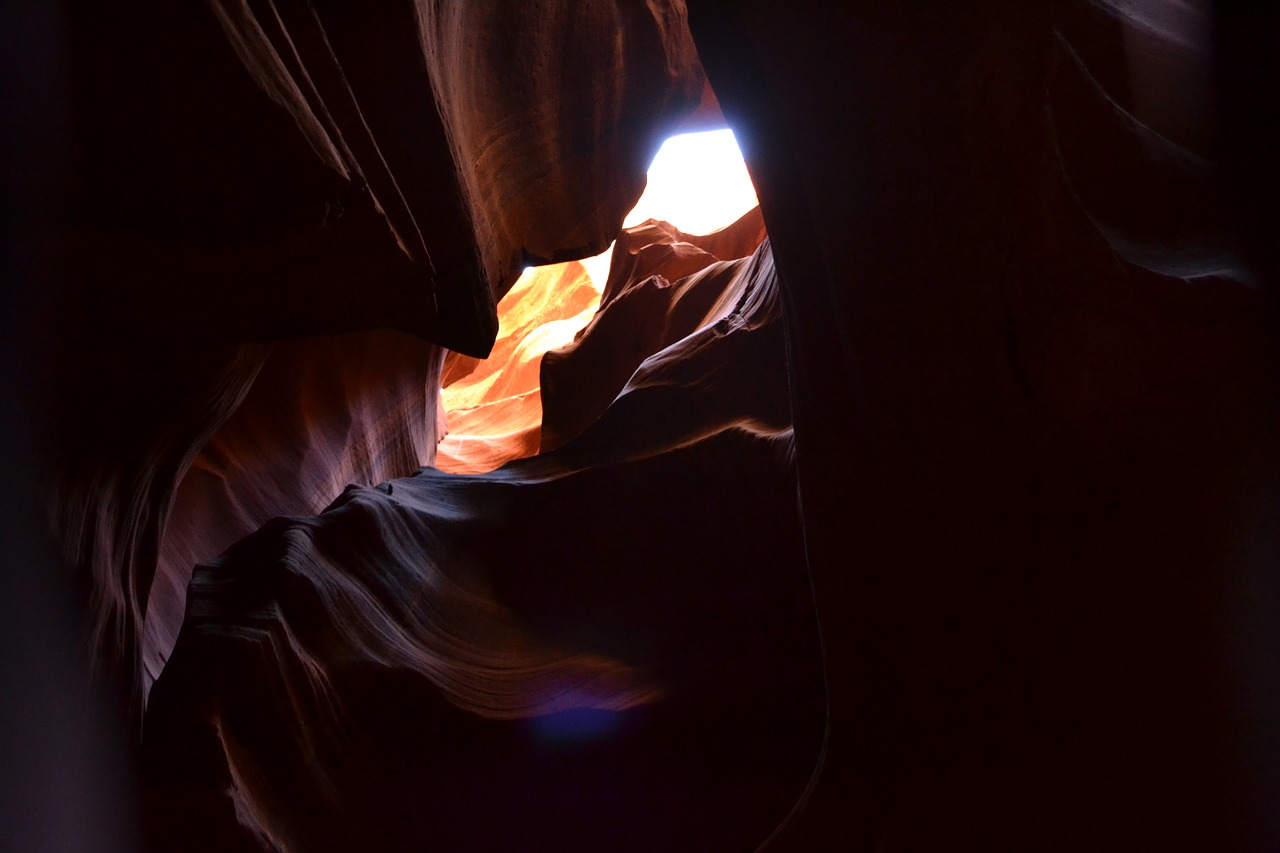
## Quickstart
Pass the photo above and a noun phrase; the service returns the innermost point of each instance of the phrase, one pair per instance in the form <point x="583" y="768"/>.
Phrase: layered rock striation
<point x="996" y="401"/>
<point x="456" y="660"/>
<point x="246" y="173"/>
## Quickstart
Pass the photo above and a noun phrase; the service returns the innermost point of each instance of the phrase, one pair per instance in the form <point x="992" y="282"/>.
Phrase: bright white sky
<point x="697" y="182"/>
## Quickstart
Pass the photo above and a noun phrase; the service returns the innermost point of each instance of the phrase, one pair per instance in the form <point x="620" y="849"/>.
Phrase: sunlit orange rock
<point x="494" y="411"/>
<point x="448" y="659"/>
<point x="996" y="399"/>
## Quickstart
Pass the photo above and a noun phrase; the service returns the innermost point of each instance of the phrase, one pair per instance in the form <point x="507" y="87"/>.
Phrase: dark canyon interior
<point x="933" y="505"/>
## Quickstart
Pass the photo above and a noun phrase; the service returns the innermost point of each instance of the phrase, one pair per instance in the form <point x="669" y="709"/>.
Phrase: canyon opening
<point x="697" y="184"/>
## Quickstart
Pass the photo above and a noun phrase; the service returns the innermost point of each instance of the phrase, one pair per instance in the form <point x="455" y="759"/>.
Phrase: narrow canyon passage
<point x="697" y="184"/>
<point x="565" y="669"/>
<point x="391" y="471"/>
<point x="589" y="621"/>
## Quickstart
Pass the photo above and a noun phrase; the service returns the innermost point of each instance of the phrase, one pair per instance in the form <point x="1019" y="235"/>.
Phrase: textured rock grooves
<point x="249" y="172"/>
<point x="494" y="406"/>
<point x="993" y="404"/>
<point x="322" y="413"/>
<point x="497" y="411"/>
<point x="449" y="660"/>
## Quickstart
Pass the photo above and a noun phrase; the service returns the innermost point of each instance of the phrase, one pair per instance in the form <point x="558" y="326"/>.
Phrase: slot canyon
<point x="355" y="501"/>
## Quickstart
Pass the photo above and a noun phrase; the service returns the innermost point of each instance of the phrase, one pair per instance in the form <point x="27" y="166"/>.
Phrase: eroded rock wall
<point x="551" y="653"/>
<point x="1036" y="456"/>
<point x="1031" y="368"/>
<point x="250" y="172"/>
<point x="321" y="414"/>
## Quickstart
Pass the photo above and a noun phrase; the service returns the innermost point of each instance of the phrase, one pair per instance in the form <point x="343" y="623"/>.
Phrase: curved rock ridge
<point x="663" y="285"/>
<point x="554" y="111"/>
<point x="440" y="624"/>
<point x="463" y="113"/>
<point x="703" y="383"/>
<point x="1132" y="116"/>
<point x="111" y="482"/>
<point x="495" y="412"/>
<point x="251" y="171"/>
<point x="322" y="413"/>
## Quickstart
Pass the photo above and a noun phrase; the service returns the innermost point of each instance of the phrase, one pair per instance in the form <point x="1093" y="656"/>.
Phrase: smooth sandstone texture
<point x="584" y="339"/>
<point x="1036" y="462"/>
<point x="454" y="660"/>
<point x="996" y="401"/>
<point x="663" y="284"/>
<point x="321" y="414"/>
<point x="493" y="408"/>
<point x="250" y="172"/>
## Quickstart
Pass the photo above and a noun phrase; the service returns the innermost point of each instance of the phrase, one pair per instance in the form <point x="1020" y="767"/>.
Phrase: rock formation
<point x="663" y="286"/>
<point x="1036" y="468"/>
<point x="335" y="674"/>
<point x="256" y="172"/>
<point x="495" y="406"/>
<point x="944" y="517"/>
